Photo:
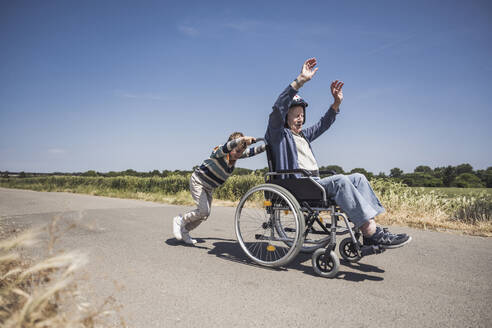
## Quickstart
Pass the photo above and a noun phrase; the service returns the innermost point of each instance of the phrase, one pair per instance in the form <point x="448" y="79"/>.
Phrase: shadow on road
<point x="175" y="242"/>
<point x="229" y="249"/>
<point x="303" y="263"/>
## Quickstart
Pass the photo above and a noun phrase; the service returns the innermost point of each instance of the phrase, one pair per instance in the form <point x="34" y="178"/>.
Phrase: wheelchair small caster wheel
<point x="325" y="266"/>
<point x="348" y="250"/>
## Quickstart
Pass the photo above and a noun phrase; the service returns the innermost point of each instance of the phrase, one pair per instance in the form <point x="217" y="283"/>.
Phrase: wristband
<point x="299" y="84"/>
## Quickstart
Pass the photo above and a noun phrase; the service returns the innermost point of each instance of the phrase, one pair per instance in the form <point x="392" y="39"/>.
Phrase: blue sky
<point x="113" y="85"/>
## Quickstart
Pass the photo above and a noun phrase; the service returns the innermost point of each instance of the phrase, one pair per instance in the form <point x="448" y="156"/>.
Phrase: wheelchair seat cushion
<point x="304" y="190"/>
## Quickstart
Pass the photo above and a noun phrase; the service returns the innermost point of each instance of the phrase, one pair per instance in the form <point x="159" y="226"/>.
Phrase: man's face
<point x="295" y="118"/>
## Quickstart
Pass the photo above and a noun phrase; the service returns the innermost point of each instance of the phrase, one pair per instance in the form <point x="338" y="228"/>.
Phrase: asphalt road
<point x="438" y="280"/>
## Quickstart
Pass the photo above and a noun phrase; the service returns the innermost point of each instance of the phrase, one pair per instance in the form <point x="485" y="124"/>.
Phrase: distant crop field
<point x="466" y="210"/>
<point x="453" y="192"/>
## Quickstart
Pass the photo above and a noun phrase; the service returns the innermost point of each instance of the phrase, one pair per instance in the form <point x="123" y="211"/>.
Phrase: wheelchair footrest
<point x="371" y="250"/>
<point x="317" y="232"/>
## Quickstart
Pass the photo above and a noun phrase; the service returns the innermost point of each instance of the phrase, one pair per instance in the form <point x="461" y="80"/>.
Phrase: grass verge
<point x="467" y="211"/>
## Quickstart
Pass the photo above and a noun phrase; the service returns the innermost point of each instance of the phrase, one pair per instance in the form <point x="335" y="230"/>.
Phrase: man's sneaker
<point x="186" y="237"/>
<point x="400" y="234"/>
<point x="385" y="239"/>
<point x="177" y="226"/>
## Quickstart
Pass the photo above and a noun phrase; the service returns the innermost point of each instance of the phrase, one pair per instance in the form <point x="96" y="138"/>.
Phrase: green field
<point x="461" y="209"/>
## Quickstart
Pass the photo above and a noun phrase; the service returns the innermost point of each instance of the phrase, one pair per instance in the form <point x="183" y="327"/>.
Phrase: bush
<point x="368" y="175"/>
<point x="236" y="186"/>
<point x="90" y="173"/>
<point x="468" y="180"/>
<point x="421" y="180"/>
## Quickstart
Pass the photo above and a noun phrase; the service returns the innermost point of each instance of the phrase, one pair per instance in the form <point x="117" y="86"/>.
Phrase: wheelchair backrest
<point x="270" y="158"/>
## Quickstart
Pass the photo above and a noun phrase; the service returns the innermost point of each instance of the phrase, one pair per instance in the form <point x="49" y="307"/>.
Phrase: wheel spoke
<point x="257" y="227"/>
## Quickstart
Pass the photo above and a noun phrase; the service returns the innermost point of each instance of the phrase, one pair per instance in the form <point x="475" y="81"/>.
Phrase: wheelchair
<point x="276" y="220"/>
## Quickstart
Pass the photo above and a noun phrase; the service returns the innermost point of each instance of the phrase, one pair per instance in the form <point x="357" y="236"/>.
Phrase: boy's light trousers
<point x="202" y="195"/>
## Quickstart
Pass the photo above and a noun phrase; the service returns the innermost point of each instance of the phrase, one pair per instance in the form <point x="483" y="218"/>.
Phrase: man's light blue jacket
<point x="280" y="138"/>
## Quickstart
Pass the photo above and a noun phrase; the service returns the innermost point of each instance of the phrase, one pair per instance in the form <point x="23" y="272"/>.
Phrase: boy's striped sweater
<point x="215" y="170"/>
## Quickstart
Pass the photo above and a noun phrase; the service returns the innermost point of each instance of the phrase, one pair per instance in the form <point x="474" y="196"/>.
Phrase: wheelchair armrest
<point x="329" y="172"/>
<point x="303" y="171"/>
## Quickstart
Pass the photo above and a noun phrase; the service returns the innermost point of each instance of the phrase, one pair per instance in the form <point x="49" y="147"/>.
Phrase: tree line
<point x="463" y="175"/>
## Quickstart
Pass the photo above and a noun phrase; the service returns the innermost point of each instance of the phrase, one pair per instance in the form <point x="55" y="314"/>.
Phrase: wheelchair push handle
<point x="295" y="171"/>
<point x="328" y="172"/>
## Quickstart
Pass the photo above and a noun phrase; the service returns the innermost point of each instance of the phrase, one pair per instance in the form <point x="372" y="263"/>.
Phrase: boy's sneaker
<point x="186" y="237"/>
<point x="177" y="226"/>
<point x="386" y="239"/>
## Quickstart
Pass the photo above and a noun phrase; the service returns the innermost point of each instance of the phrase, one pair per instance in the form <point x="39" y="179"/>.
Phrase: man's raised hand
<point x="336" y="91"/>
<point x="308" y="70"/>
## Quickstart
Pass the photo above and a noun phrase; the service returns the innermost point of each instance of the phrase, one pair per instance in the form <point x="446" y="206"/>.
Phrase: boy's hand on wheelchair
<point x="249" y="140"/>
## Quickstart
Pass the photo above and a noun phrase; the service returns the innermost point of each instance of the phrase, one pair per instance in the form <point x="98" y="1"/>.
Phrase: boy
<point x="213" y="172"/>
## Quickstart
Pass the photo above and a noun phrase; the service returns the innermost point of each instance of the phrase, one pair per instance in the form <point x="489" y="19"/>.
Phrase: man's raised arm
<point x="327" y="120"/>
<point x="276" y="120"/>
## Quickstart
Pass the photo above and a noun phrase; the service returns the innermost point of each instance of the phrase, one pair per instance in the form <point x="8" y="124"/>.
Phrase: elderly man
<point x="291" y="147"/>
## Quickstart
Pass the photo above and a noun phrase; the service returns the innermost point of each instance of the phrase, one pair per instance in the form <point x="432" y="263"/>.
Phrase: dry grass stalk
<point x="43" y="294"/>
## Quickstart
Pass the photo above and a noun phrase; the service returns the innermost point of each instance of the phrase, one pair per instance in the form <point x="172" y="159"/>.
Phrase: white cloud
<point x="392" y="44"/>
<point x="142" y="96"/>
<point x="148" y="96"/>
<point x="56" y="151"/>
<point x="244" y="26"/>
<point x="375" y="93"/>
<point x="209" y="28"/>
<point x="188" y="30"/>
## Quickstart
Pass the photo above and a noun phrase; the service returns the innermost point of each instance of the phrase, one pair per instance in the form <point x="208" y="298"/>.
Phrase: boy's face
<point x="236" y="153"/>
<point x="295" y="118"/>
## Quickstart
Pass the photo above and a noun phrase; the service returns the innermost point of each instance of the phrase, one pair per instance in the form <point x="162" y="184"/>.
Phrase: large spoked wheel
<point x="325" y="266"/>
<point x="259" y="214"/>
<point x="348" y="250"/>
<point x="316" y="238"/>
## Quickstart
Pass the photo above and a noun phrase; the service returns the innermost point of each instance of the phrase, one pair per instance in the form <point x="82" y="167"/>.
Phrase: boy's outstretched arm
<point x="226" y="148"/>
<point x="252" y="151"/>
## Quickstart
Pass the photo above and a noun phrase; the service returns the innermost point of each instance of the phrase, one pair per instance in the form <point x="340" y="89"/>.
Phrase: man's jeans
<point x="354" y="195"/>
